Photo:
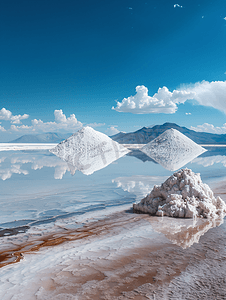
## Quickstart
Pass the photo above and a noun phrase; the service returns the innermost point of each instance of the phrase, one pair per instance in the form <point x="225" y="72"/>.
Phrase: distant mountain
<point x="49" y="137"/>
<point x="146" y="135"/>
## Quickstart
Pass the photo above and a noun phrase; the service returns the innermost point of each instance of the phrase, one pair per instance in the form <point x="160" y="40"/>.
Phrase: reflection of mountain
<point x="183" y="232"/>
<point x="214" y="151"/>
<point x="146" y="135"/>
<point x="172" y="149"/>
<point x="89" y="150"/>
<point x="140" y="155"/>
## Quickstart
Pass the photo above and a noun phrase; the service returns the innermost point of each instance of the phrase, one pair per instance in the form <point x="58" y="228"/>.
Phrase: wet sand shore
<point x="124" y="256"/>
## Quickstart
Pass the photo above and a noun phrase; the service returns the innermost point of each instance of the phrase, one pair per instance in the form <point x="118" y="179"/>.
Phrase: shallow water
<point x="37" y="187"/>
<point x="68" y="233"/>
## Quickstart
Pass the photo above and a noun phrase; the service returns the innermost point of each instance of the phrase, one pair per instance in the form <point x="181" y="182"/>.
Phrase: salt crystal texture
<point x="172" y="149"/>
<point x="182" y="195"/>
<point x="89" y="150"/>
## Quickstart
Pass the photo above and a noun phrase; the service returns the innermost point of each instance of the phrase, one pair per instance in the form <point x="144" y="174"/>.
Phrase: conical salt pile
<point x="89" y="150"/>
<point x="172" y="149"/>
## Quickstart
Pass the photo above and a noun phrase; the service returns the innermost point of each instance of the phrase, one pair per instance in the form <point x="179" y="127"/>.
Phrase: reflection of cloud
<point x="210" y="160"/>
<point x="48" y="161"/>
<point x="37" y="163"/>
<point x="139" y="185"/>
<point x="8" y="172"/>
<point x="183" y="232"/>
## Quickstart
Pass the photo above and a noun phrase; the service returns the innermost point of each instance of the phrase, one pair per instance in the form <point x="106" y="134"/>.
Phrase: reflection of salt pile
<point x="184" y="232"/>
<point x="182" y="195"/>
<point x="89" y="150"/>
<point x="172" y="149"/>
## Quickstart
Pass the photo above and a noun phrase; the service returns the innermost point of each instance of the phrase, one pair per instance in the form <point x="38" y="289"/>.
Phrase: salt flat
<point x="39" y="146"/>
<point x="75" y="237"/>
<point x="25" y="146"/>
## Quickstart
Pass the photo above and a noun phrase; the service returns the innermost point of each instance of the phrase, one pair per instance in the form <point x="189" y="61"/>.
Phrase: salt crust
<point x="182" y="195"/>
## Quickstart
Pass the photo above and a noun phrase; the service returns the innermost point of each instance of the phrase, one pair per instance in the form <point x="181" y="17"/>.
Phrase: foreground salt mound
<point x="89" y="150"/>
<point x="182" y="195"/>
<point x="172" y="149"/>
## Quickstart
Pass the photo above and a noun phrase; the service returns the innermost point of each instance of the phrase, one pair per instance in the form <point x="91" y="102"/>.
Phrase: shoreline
<point x="120" y="256"/>
<point x="48" y="146"/>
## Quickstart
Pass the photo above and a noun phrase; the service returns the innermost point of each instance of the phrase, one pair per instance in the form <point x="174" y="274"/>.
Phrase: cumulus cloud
<point x="142" y="103"/>
<point x="206" y="93"/>
<point x="187" y="114"/>
<point x="7" y="115"/>
<point x="2" y="128"/>
<point x="206" y="127"/>
<point x="112" y="130"/>
<point x="61" y="123"/>
<point x="177" y="5"/>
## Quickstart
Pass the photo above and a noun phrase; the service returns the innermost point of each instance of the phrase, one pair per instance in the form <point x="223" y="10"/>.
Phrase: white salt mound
<point x="172" y="149"/>
<point x="182" y="195"/>
<point x="88" y="151"/>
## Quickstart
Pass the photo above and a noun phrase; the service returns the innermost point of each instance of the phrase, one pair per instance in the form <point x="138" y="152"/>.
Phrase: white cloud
<point x="61" y="123"/>
<point x="177" y="5"/>
<point x="187" y="114"/>
<point x="94" y="125"/>
<point x="225" y="18"/>
<point x="2" y="128"/>
<point x="7" y="115"/>
<point x="112" y="130"/>
<point x="206" y="127"/>
<point x="206" y="93"/>
<point x="141" y="103"/>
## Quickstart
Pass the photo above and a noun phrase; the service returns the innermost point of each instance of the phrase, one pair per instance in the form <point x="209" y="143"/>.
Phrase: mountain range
<point x="146" y="135"/>
<point x="141" y="136"/>
<point x="48" y="137"/>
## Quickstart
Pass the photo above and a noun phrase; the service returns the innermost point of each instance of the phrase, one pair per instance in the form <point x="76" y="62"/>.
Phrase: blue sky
<point x="65" y="64"/>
